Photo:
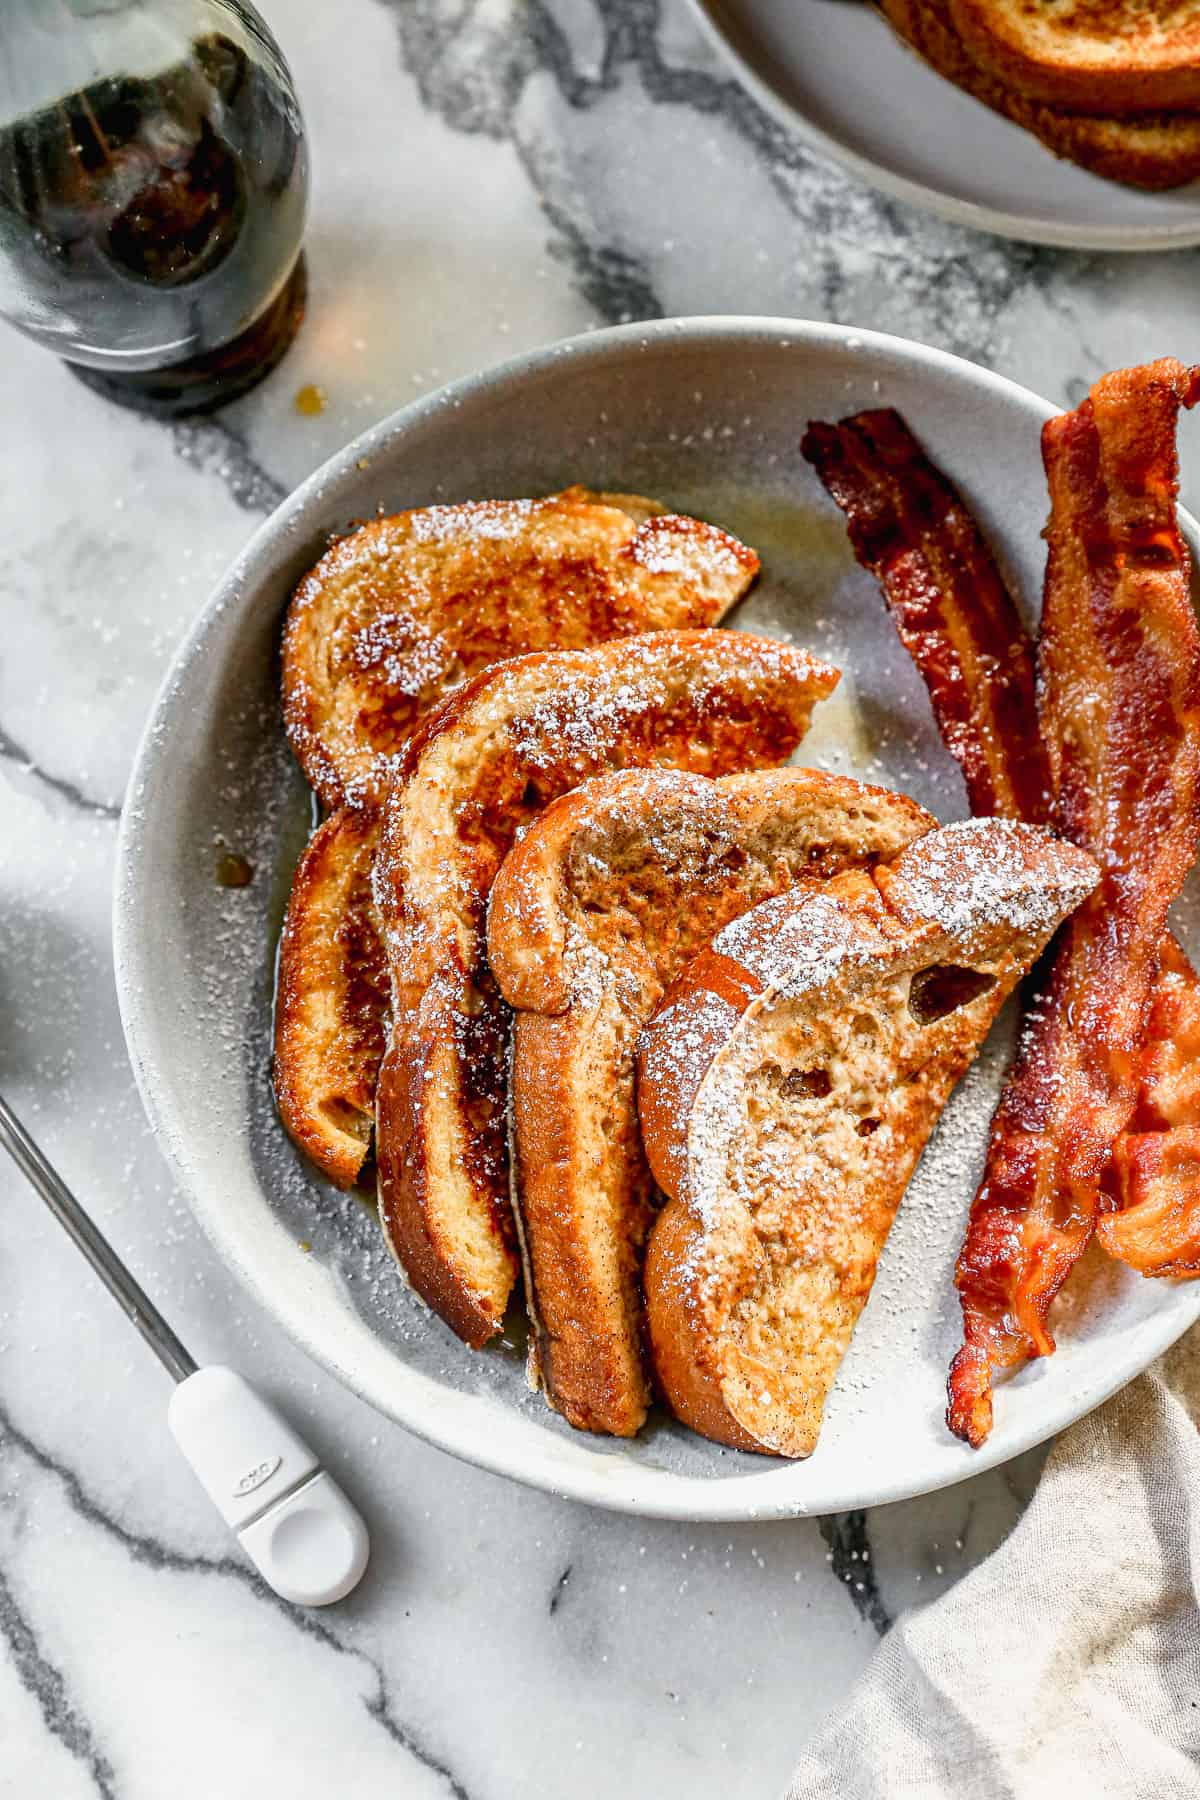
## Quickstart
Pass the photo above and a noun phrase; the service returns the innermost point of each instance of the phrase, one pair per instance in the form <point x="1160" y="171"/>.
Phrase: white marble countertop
<point x="486" y="178"/>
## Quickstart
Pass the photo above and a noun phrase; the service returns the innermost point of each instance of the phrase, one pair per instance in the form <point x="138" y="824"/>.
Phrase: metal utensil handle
<point x="137" y="1306"/>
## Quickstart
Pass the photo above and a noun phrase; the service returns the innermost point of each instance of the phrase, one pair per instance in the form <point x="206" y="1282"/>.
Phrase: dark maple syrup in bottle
<point x="153" y="185"/>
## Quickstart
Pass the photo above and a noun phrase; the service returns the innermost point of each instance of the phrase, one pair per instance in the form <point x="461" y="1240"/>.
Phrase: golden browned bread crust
<point x="396" y="615"/>
<point x="787" y="1086"/>
<point x="1089" y="56"/>
<point x="331" y="998"/>
<point x="594" y="912"/>
<point x="1156" y="152"/>
<point x="496" y="752"/>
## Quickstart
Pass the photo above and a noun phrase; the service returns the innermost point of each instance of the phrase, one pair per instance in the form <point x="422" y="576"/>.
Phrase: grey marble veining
<point x="487" y="177"/>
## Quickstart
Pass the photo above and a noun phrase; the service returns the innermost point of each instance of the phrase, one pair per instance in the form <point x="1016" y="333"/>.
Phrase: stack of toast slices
<point x="1113" y="85"/>
<point x="390" y="621"/>
<point x="572" y="937"/>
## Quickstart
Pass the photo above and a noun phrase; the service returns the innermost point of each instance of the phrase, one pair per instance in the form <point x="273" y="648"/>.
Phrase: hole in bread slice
<point x="793" y="1084"/>
<point x="806" y="1084"/>
<point x="935" y="993"/>
<point x="344" y="1117"/>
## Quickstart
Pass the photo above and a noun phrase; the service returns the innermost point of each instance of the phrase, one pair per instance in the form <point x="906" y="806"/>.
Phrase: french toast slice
<point x="331" y="997"/>
<point x="403" y="610"/>
<point x="515" y="738"/>
<point x="786" y="1088"/>
<point x="1089" y="56"/>
<point x="1156" y="152"/>
<point x="594" y="912"/>
<point x="388" y="620"/>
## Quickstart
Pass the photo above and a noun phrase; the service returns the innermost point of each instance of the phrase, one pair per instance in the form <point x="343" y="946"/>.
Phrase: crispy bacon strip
<point x="1156" y="1176"/>
<point x="1119" y="666"/>
<point x="954" y="613"/>
<point x="1153" y="1179"/>
<point x="959" y="622"/>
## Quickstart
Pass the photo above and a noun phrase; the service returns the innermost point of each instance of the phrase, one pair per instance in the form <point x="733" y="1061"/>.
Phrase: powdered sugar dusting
<point x="800" y="939"/>
<point x="718" y="1117"/>
<point x="588" y="968"/>
<point x="580" y="717"/>
<point x="560" y="717"/>
<point x="685" y="1037"/>
<point x="979" y="874"/>
<point x="673" y="544"/>
<point x="484" y="520"/>
<point x="401" y="649"/>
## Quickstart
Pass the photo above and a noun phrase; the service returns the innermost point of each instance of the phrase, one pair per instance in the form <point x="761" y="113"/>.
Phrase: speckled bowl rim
<point x="1024" y="229"/>
<point x="445" y="1416"/>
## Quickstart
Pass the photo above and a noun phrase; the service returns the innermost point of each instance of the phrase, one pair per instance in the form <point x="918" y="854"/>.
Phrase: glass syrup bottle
<point x="153" y="185"/>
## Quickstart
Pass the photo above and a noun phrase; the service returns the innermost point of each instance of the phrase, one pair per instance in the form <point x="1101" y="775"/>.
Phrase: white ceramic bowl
<point x="708" y="414"/>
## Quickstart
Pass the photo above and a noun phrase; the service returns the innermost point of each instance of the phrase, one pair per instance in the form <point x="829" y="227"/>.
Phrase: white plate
<point x="708" y="414"/>
<point x="835" y="72"/>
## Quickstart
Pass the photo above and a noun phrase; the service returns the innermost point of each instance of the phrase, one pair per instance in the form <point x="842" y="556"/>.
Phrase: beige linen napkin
<point x="1066" y="1666"/>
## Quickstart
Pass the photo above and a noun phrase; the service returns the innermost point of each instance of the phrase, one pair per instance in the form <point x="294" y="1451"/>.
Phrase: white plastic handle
<point x="292" y="1519"/>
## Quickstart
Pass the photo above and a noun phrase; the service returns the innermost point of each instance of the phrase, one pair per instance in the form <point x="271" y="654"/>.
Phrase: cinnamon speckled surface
<point x="486" y="179"/>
